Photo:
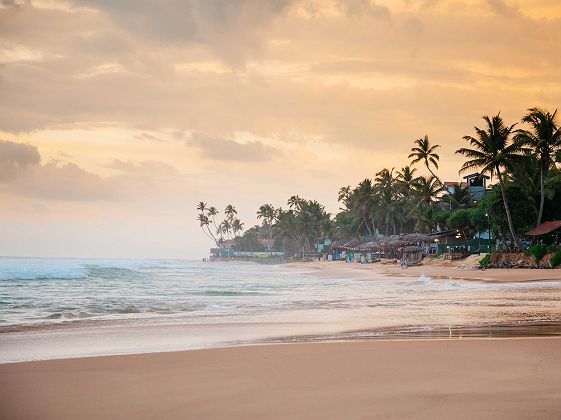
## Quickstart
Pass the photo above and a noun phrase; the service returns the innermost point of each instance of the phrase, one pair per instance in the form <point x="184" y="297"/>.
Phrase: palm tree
<point x="426" y="153"/>
<point x="344" y="197"/>
<point x="363" y="202"/>
<point x="268" y="213"/>
<point x="406" y="181"/>
<point x="406" y="178"/>
<point x="295" y="202"/>
<point x="286" y="229"/>
<point x="492" y="152"/>
<point x="204" y="223"/>
<point x="230" y="211"/>
<point x="426" y="189"/>
<point x="459" y="197"/>
<point x="237" y="226"/>
<point x="201" y="206"/>
<point x="544" y="141"/>
<point x="212" y="212"/>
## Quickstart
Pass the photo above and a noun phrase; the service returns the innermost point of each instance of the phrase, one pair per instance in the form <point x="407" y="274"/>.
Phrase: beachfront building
<point x="225" y="250"/>
<point x="476" y="184"/>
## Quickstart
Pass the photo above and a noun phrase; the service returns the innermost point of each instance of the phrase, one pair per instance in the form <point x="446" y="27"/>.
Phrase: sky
<point x="118" y="117"/>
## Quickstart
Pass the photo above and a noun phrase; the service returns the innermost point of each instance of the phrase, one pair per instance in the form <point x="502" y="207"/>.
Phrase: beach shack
<point x="391" y="246"/>
<point x="547" y="232"/>
<point x="412" y="255"/>
<point x="345" y="249"/>
<point x="368" y="252"/>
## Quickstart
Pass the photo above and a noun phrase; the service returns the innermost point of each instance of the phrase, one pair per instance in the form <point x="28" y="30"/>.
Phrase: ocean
<point x="66" y="307"/>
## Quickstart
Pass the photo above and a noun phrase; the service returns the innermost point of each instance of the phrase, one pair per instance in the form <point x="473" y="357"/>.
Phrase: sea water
<point x="57" y="308"/>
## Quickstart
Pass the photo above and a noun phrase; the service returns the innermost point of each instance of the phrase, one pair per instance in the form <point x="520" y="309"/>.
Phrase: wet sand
<point x="457" y="270"/>
<point x="421" y="379"/>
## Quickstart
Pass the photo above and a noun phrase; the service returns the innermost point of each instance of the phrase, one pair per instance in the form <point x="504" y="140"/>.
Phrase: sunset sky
<point x="118" y="116"/>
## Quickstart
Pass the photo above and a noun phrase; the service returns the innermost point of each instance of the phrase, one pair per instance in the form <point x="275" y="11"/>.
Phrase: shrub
<point x="485" y="260"/>
<point x="538" y="251"/>
<point x="556" y="259"/>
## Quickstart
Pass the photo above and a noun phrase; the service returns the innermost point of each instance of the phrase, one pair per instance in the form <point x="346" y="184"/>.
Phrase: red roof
<point x="452" y="183"/>
<point x="545" y="228"/>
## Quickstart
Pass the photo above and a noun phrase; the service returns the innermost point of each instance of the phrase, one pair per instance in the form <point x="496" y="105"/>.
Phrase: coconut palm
<point x="426" y="189"/>
<point x="201" y="206"/>
<point x="212" y="212"/>
<point x="544" y="141"/>
<point x="295" y="202"/>
<point x="204" y="222"/>
<point x="344" y="195"/>
<point x="424" y="152"/>
<point x="406" y="178"/>
<point x="493" y="151"/>
<point x="230" y="212"/>
<point x="237" y="226"/>
<point x="459" y="197"/>
<point x="362" y="198"/>
<point x="268" y="213"/>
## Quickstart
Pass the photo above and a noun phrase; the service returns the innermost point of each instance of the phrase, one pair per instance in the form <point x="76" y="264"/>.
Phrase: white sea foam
<point x="37" y="293"/>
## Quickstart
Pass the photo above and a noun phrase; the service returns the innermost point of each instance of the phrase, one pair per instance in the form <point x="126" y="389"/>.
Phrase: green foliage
<point x="522" y="208"/>
<point x="459" y="219"/>
<point x="478" y="218"/>
<point x="249" y="241"/>
<point x="539" y="251"/>
<point x="556" y="259"/>
<point x="484" y="262"/>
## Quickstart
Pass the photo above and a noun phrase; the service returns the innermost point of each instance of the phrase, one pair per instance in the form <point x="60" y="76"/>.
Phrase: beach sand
<point x="409" y="379"/>
<point x="438" y="269"/>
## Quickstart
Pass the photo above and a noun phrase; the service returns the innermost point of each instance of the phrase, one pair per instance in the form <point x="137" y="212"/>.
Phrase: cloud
<point x="148" y="167"/>
<point x="217" y="148"/>
<point x="232" y="29"/>
<point x="357" y="8"/>
<point x="15" y="158"/>
<point x="22" y="173"/>
<point x="502" y="8"/>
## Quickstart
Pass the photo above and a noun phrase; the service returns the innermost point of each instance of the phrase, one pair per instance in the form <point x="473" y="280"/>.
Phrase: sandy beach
<point x="438" y="269"/>
<point x="438" y="379"/>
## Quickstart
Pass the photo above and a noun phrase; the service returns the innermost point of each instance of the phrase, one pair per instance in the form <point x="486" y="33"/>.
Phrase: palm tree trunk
<point x="507" y="209"/>
<point x="367" y="225"/>
<point x="387" y="226"/>
<point x="542" y="196"/>
<point x="270" y="239"/>
<point x="435" y="177"/>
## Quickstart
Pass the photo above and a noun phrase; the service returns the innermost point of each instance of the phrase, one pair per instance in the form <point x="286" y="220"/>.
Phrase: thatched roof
<point x="393" y="241"/>
<point x="412" y="249"/>
<point x="340" y="243"/>
<point x="397" y="241"/>
<point x="369" y="246"/>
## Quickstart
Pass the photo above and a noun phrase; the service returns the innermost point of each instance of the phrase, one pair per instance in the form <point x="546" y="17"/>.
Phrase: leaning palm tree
<point x="492" y="152"/>
<point x="424" y="152"/>
<point x="543" y="141"/>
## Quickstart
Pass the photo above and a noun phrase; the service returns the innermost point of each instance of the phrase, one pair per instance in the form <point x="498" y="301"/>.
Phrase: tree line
<point x="524" y="162"/>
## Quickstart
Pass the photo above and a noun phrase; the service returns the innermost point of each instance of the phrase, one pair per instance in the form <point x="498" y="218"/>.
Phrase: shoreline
<point x="437" y="379"/>
<point x="411" y="332"/>
<point x="436" y="270"/>
<point x="134" y="334"/>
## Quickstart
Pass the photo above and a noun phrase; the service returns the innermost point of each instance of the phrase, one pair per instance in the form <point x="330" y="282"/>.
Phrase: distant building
<point x="476" y="184"/>
<point x="224" y="250"/>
